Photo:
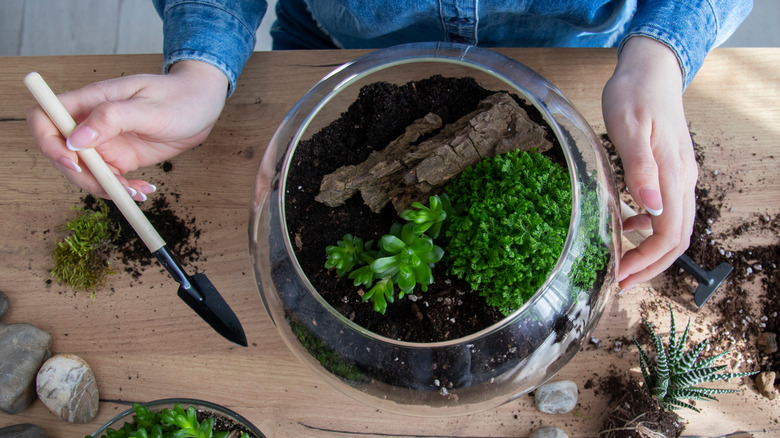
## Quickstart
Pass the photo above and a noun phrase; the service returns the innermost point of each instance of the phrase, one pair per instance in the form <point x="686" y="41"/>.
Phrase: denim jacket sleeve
<point x="219" y="32"/>
<point x="691" y="28"/>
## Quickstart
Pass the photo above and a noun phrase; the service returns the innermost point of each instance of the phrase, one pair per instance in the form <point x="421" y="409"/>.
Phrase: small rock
<point x="548" y="432"/>
<point x="3" y="304"/>
<point x="767" y="343"/>
<point x="23" y="348"/>
<point x="67" y="386"/>
<point x="556" y="397"/>
<point x="765" y="383"/>
<point x="23" y="431"/>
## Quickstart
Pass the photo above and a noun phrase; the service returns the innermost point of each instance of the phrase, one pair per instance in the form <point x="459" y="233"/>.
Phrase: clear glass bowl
<point x="201" y="406"/>
<point x="485" y="369"/>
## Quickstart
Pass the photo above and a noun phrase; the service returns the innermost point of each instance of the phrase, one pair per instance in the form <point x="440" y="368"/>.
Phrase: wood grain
<point x="144" y="343"/>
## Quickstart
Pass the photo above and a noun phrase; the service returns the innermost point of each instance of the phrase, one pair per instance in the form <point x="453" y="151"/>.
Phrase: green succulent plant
<point x="403" y="257"/>
<point x="407" y="258"/>
<point x="429" y="219"/>
<point x="168" y="423"/>
<point x="673" y="376"/>
<point x="345" y="254"/>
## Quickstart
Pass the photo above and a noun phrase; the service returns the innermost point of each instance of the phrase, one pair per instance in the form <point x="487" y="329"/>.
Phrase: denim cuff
<point x="690" y="39"/>
<point x="221" y="33"/>
<point x="690" y="28"/>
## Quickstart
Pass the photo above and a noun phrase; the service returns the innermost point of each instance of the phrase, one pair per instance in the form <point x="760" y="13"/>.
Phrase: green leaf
<point x="421" y="245"/>
<point x="424" y="275"/>
<point x="362" y="276"/>
<point x="381" y="294"/>
<point x="392" y="244"/>
<point x="406" y="278"/>
<point x="407" y="234"/>
<point x="434" y="255"/>
<point x="385" y="266"/>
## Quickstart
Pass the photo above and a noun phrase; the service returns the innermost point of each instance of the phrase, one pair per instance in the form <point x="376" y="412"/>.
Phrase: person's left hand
<point x="643" y="113"/>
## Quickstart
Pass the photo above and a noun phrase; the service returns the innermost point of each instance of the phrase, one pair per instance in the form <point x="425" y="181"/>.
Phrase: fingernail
<point x="149" y="188"/>
<point x="81" y="138"/>
<point x="143" y="197"/>
<point x="130" y="190"/>
<point x="651" y="199"/>
<point x="70" y="164"/>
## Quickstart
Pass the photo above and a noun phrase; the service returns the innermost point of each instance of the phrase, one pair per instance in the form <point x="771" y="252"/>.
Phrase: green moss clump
<point x="518" y="208"/>
<point x="595" y="253"/>
<point x="80" y="258"/>
<point x="329" y="359"/>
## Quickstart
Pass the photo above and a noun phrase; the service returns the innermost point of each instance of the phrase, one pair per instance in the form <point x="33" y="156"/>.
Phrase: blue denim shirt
<point x="222" y="32"/>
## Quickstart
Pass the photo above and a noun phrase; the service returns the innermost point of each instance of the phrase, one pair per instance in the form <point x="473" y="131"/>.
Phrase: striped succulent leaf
<point x="673" y="375"/>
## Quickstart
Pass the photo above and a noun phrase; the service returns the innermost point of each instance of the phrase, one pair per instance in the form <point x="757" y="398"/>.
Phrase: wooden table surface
<point x="143" y="343"/>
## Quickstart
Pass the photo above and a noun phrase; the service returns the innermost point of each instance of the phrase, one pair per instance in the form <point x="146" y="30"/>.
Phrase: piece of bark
<point x="406" y="171"/>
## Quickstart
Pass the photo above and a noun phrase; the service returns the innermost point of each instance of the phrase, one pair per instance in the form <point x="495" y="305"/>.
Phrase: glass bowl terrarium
<point x="224" y="421"/>
<point x="354" y="157"/>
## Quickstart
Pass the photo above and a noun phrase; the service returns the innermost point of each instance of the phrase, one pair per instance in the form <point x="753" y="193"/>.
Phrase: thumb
<point x="106" y="121"/>
<point x="641" y="174"/>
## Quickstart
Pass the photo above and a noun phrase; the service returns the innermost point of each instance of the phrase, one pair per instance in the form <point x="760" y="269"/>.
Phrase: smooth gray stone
<point x="67" y="386"/>
<point x="557" y="397"/>
<point x="23" y="431"/>
<point x="23" y="348"/>
<point x="548" y="432"/>
<point x="3" y="304"/>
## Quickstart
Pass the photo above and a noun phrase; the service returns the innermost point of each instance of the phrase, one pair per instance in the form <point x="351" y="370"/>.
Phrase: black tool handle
<point x="692" y="268"/>
<point x="186" y="291"/>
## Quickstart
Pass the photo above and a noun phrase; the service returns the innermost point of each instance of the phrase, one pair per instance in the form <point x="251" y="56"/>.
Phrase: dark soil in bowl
<point x="225" y="424"/>
<point x="449" y="309"/>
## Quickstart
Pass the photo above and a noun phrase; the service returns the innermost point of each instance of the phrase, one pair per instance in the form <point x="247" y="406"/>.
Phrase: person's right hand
<point x="132" y="122"/>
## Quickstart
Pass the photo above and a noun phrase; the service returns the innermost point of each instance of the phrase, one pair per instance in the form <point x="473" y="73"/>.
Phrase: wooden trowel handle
<point x="65" y="123"/>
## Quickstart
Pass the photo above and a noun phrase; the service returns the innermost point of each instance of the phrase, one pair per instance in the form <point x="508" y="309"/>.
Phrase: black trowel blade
<point x="206" y="301"/>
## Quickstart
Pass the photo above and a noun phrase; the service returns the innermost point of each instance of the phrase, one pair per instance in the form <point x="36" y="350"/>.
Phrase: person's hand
<point x="643" y="112"/>
<point x="132" y="122"/>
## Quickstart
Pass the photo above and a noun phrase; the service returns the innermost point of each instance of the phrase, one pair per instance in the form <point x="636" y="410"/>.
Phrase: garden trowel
<point x="197" y="291"/>
<point x="708" y="280"/>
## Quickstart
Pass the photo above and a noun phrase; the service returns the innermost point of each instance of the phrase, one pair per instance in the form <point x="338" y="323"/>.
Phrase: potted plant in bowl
<point x="475" y="356"/>
<point x="178" y="417"/>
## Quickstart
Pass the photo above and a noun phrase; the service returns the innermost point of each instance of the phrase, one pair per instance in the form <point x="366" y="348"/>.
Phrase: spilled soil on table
<point x="739" y="322"/>
<point x="179" y="231"/>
